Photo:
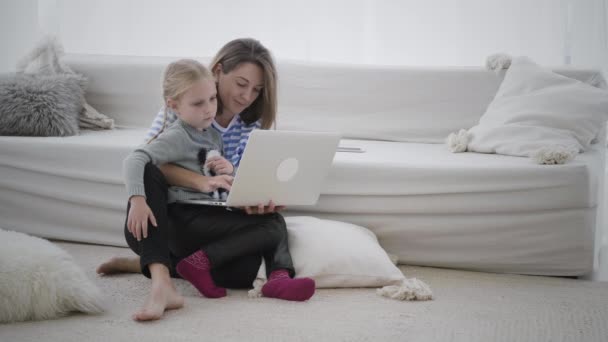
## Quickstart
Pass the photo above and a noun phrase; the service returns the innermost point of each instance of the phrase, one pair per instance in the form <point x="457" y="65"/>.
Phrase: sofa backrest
<point x="363" y="102"/>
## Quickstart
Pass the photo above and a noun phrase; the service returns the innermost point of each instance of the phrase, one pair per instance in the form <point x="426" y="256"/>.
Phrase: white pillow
<point x="39" y="280"/>
<point x="537" y="113"/>
<point x="338" y="254"/>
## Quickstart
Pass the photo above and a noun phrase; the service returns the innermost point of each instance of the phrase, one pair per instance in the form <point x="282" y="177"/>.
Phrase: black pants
<point x="234" y="241"/>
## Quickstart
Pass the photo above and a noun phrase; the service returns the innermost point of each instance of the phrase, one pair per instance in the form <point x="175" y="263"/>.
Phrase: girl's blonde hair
<point x="244" y="50"/>
<point x="179" y="76"/>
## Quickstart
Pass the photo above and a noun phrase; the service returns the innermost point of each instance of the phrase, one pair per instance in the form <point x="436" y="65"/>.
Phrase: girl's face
<point x="240" y="87"/>
<point x="198" y="105"/>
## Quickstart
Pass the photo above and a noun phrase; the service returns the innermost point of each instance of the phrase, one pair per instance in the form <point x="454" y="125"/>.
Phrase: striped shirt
<point x="234" y="136"/>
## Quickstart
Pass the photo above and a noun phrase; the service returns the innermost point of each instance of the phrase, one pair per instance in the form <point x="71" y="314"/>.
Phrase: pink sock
<point x="196" y="269"/>
<point x="281" y="286"/>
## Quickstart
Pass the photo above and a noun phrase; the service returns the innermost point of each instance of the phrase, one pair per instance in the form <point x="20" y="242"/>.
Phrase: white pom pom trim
<point x="409" y="289"/>
<point x="498" y="62"/>
<point x="458" y="142"/>
<point x="554" y="155"/>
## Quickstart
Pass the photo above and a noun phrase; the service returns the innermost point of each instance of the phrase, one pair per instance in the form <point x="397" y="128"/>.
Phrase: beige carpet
<point x="469" y="306"/>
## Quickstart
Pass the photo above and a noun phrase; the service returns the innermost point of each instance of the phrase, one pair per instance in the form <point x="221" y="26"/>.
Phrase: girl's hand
<point x="209" y="184"/>
<point x="220" y="165"/>
<point x="263" y="210"/>
<point x="139" y="214"/>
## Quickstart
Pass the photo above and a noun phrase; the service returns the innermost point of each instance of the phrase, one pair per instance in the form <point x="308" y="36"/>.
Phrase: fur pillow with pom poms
<point x="536" y="113"/>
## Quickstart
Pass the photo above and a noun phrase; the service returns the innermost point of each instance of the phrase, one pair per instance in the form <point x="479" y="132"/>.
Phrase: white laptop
<point x="287" y="167"/>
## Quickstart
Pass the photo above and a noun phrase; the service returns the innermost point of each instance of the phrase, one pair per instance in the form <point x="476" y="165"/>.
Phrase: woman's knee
<point x="156" y="188"/>
<point x="153" y="176"/>
<point x="277" y="228"/>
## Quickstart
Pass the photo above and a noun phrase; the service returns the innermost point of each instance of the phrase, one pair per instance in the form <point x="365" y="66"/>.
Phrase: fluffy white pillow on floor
<point x="338" y="254"/>
<point x="537" y="113"/>
<point x="39" y="280"/>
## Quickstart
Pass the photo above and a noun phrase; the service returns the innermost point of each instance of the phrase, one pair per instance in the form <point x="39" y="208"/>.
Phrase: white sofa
<point x="426" y="205"/>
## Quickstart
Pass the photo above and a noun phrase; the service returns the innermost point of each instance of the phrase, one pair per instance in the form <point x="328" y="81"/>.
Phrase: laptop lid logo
<point x="287" y="169"/>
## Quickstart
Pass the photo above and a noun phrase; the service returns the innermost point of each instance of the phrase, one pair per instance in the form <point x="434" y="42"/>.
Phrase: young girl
<point x="246" y="83"/>
<point x="205" y="238"/>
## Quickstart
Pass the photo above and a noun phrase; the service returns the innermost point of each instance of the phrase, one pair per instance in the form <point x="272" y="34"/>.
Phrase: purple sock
<point x="281" y="286"/>
<point x="196" y="269"/>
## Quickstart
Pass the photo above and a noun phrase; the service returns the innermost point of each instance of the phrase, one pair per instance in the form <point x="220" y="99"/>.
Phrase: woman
<point x="246" y="87"/>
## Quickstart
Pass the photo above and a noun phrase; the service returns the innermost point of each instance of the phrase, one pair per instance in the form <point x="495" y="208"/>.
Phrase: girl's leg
<point x="155" y="258"/>
<point x="163" y="295"/>
<point x="154" y="248"/>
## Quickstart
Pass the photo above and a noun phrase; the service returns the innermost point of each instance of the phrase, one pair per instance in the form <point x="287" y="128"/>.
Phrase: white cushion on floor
<point x="39" y="280"/>
<point x="338" y="254"/>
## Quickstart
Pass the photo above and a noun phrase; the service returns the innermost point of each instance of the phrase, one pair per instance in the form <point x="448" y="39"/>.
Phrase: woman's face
<point x="240" y="87"/>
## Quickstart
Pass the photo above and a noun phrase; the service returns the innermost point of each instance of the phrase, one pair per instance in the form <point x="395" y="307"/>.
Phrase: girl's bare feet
<point x="163" y="296"/>
<point x="120" y="265"/>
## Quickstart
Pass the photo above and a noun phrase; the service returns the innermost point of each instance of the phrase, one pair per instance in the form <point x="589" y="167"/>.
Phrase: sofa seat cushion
<point x="402" y="173"/>
<point x="92" y="155"/>
<point x="405" y="177"/>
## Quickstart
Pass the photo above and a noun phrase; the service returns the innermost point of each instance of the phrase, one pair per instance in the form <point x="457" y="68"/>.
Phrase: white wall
<point x="19" y="30"/>
<point x="589" y="33"/>
<point x="406" y="32"/>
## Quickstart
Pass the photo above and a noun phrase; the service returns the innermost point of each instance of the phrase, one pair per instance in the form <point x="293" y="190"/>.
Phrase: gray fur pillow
<point x="40" y="105"/>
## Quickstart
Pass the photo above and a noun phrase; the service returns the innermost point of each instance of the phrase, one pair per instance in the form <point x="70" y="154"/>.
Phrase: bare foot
<point x="120" y="265"/>
<point x="163" y="296"/>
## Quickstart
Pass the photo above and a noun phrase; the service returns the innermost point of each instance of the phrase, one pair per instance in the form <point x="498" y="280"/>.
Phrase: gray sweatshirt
<point x="179" y="144"/>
